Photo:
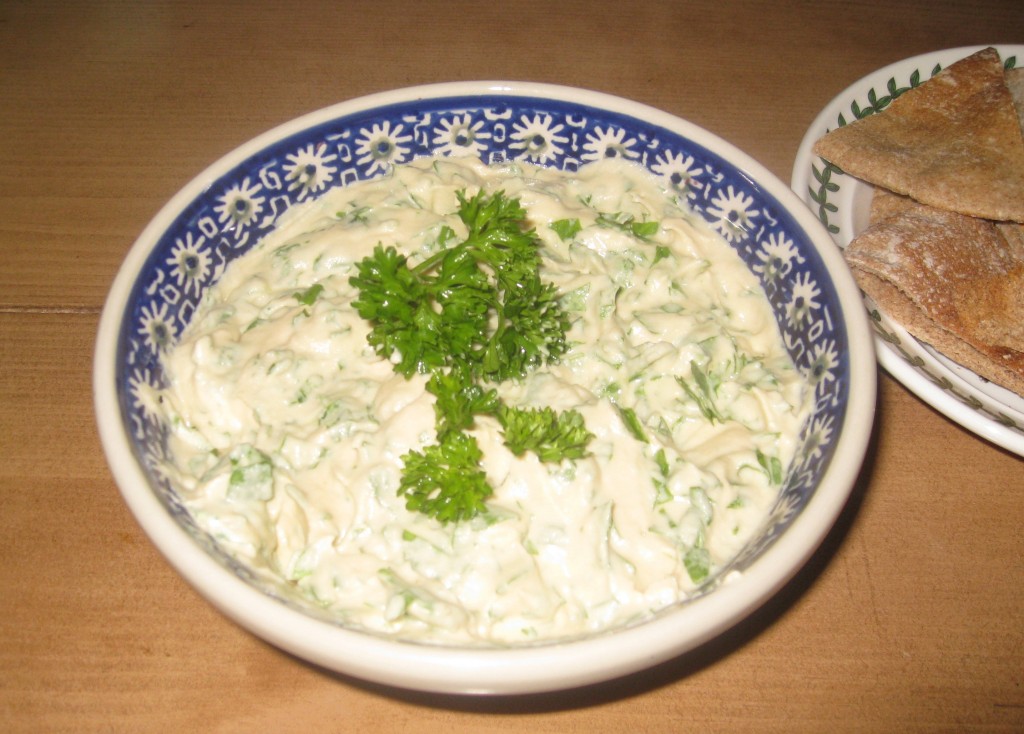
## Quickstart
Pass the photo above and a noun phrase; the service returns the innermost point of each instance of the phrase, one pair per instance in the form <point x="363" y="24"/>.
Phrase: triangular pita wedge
<point x="952" y="281"/>
<point x="953" y="143"/>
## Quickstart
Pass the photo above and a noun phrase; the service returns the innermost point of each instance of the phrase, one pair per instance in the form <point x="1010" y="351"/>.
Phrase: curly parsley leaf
<point x="459" y="401"/>
<point x="397" y="303"/>
<point x="552" y="436"/>
<point x="445" y="479"/>
<point x="479" y="304"/>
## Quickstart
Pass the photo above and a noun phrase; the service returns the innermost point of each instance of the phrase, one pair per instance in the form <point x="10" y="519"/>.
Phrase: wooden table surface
<point x="910" y="618"/>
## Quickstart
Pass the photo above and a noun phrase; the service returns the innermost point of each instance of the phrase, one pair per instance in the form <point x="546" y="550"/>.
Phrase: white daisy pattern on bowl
<point x="776" y="258"/>
<point x="734" y="213"/>
<point x="241" y="204"/>
<point x="787" y="508"/>
<point x="824" y="361"/>
<point x="803" y="300"/>
<point x="382" y="146"/>
<point x="309" y="169"/>
<point x="679" y="172"/>
<point x="609" y="143"/>
<point x="460" y="135"/>
<point x="190" y="263"/>
<point x="538" y="139"/>
<point x="156" y="327"/>
<point x="819" y="436"/>
<point x="144" y="395"/>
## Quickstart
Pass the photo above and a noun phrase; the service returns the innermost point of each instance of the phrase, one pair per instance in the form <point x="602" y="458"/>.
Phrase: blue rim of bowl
<point x="624" y="127"/>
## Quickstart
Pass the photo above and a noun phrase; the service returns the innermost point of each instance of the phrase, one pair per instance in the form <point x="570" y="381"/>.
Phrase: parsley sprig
<point x="479" y="304"/>
<point x="473" y="314"/>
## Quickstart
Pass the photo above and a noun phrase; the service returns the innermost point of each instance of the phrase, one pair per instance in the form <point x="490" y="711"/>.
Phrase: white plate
<point x="841" y="203"/>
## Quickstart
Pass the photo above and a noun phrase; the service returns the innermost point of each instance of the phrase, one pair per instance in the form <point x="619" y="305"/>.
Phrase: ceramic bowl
<point x="225" y="210"/>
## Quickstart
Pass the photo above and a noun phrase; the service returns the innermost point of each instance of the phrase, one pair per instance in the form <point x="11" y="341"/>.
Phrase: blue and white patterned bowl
<point x="230" y="206"/>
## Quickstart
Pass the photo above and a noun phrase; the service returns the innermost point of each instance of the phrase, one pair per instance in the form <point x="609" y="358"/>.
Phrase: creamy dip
<point x="287" y="429"/>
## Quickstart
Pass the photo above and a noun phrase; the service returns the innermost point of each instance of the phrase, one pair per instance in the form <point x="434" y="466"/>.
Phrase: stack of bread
<point x="944" y="252"/>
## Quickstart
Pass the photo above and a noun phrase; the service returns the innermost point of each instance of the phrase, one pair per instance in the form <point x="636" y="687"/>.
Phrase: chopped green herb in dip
<point x="576" y="461"/>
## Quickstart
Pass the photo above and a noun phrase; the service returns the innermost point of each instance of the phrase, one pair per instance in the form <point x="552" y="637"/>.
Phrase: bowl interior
<point x="226" y="211"/>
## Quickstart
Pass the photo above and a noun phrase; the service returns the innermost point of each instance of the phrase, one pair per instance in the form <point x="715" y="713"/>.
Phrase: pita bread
<point x="1014" y="236"/>
<point x="885" y="204"/>
<point x="954" y="142"/>
<point x="1011" y="231"/>
<point x="1015" y="83"/>
<point x="951" y="280"/>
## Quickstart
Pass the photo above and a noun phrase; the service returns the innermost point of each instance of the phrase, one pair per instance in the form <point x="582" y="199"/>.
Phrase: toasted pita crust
<point x="1014" y="235"/>
<point x="1006" y="374"/>
<point x="950" y="280"/>
<point x="954" y="142"/>
<point x="1015" y="83"/>
<point x="885" y="204"/>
